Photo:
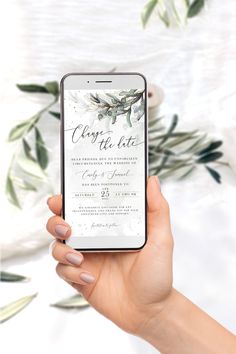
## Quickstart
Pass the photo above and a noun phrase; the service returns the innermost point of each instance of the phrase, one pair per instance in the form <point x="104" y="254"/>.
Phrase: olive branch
<point x="172" y="12"/>
<point x="113" y="106"/>
<point x="28" y="166"/>
<point x="171" y="152"/>
<point x="179" y="153"/>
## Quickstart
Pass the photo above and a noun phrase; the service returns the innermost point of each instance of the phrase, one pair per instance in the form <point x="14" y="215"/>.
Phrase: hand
<point x="126" y="287"/>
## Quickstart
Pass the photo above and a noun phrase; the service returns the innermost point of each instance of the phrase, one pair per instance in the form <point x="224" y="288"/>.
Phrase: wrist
<point x="156" y="316"/>
<point x="178" y="326"/>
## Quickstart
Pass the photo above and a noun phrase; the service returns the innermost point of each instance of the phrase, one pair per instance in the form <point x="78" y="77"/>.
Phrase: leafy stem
<point x="31" y="160"/>
<point x="170" y="13"/>
<point x="181" y="152"/>
<point x="113" y="106"/>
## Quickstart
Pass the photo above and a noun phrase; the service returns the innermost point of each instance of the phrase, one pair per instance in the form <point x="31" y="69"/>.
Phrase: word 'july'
<point x="83" y="132"/>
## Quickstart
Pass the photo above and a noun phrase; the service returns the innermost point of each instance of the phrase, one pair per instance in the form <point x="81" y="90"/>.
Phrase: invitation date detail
<point x="105" y="193"/>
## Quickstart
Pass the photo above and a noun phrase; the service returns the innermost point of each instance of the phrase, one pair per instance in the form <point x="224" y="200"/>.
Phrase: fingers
<point x="76" y="275"/>
<point x="69" y="266"/>
<point x="65" y="254"/>
<point x="159" y="228"/>
<point x="55" y="204"/>
<point x="58" y="227"/>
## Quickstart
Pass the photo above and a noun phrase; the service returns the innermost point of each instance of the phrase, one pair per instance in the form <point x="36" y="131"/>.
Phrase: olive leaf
<point x="171" y="12"/>
<point x="177" y="152"/>
<point x="31" y="167"/>
<point x="12" y="277"/>
<point x="164" y="17"/>
<point x="52" y="87"/>
<point x="188" y="172"/>
<point x="147" y="11"/>
<point x="115" y="99"/>
<point x="11" y="193"/>
<point x="173" y="168"/>
<point x="34" y="160"/>
<point x="163" y="162"/>
<point x="6" y="312"/>
<point x="195" y="8"/>
<point x="21" y="129"/>
<point x="114" y="106"/>
<point x="23" y="184"/>
<point x="55" y="114"/>
<point x="41" y="150"/>
<point x="214" y="174"/>
<point x="179" y="140"/>
<point x="210" y="157"/>
<point x="75" y="301"/>
<point x="128" y="118"/>
<point x="212" y="146"/>
<point x="27" y="149"/>
<point x="94" y="99"/>
<point x="170" y="130"/>
<point x="32" y="88"/>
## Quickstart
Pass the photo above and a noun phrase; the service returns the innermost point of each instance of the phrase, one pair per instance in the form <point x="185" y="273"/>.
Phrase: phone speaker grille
<point x="102" y="81"/>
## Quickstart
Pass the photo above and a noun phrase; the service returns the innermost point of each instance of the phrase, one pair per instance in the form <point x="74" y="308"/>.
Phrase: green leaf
<point x="128" y="118"/>
<point x="41" y="151"/>
<point x="14" y="307"/>
<point x="52" y="87"/>
<point x="153" y="122"/>
<point x="12" y="277"/>
<point x="113" y="119"/>
<point x="20" y="130"/>
<point x="11" y="193"/>
<point x="24" y="184"/>
<point x="165" y="18"/>
<point x="75" y="301"/>
<point x="31" y="167"/>
<point x="210" y="157"/>
<point x="94" y="98"/>
<point x="188" y="172"/>
<point x="212" y="146"/>
<point x="147" y="11"/>
<point x="214" y="174"/>
<point x="177" y="166"/>
<point x="116" y="100"/>
<point x="163" y="162"/>
<point x="179" y="140"/>
<point x="122" y="93"/>
<point x="32" y="88"/>
<point x="170" y="130"/>
<point x="195" y="8"/>
<point x="27" y="150"/>
<point x="193" y="148"/>
<point x="55" y="114"/>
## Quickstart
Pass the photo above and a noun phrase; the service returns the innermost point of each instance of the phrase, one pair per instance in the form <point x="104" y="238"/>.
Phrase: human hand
<point x="126" y="287"/>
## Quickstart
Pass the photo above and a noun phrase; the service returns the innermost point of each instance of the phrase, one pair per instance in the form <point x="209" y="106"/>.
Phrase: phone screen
<point x="104" y="160"/>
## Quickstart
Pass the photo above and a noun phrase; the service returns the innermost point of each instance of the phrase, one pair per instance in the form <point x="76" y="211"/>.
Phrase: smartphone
<point x="104" y="160"/>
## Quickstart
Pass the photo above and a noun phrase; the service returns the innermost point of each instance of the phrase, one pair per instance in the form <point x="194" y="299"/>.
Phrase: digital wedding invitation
<point x="104" y="162"/>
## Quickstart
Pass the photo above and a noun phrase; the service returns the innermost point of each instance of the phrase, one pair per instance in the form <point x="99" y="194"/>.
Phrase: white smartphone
<point x="104" y="160"/>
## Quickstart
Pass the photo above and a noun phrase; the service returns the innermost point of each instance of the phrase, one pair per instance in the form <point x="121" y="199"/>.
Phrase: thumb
<point x="159" y="228"/>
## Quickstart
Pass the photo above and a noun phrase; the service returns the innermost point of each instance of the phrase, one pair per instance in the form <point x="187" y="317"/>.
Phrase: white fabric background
<point x="195" y="66"/>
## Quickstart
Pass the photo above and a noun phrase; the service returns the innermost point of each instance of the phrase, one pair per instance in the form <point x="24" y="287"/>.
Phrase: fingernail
<point x="61" y="230"/>
<point x="87" y="278"/>
<point x="51" y="246"/>
<point x="73" y="258"/>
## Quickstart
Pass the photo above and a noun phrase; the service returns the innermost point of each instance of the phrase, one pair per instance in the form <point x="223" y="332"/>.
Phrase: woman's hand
<point x="126" y="287"/>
